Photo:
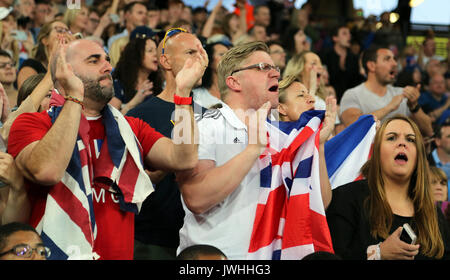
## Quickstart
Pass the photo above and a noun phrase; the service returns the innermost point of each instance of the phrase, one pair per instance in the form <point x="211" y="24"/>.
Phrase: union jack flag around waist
<point x="68" y="225"/>
<point x="290" y="220"/>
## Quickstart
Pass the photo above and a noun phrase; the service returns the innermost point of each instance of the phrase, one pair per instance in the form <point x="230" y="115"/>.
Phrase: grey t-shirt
<point x="363" y="99"/>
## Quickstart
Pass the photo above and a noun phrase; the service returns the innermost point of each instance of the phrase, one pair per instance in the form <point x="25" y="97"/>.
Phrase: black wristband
<point x="415" y="109"/>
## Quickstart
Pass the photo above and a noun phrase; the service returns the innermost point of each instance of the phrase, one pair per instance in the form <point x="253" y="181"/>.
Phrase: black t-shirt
<point x="161" y="216"/>
<point x="349" y="223"/>
<point x="340" y="79"/>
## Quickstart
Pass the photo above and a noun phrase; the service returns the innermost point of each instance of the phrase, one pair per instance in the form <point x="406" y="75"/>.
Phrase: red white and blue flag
<point x="68" y="224"/>
<point x="290" y="220"/>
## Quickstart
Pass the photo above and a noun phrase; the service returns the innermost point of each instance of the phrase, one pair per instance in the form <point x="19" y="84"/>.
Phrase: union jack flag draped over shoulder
<point x="67" y="225"/>
<point x="290" y="220"/>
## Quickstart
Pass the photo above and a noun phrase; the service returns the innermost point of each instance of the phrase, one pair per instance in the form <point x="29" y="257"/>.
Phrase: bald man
<point x="157" y="236"/>
<point x="178" y="48"/>
<point x="84" y="195"/>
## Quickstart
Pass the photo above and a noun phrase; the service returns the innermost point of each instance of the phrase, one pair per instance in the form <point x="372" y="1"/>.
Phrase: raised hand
<point x="9" y="173"/>
<point x="4" y="104"/>
<point x="218" y="6"/>
<point x="412" y="94"/>
<point x="192" y="71"/>
<point x="256" y="126"/>
<point x="329" y="120"/>
<point x="313" y="82"/>
<point x="62" y="72"/>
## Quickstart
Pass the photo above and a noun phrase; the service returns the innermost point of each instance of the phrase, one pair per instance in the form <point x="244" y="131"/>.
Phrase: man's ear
<point x="233" y="83"/>
<point x="370" y="66"/>
<point x="437" y="141"/>
<point x="164" y="62"/>
<point x="334" y="39"/>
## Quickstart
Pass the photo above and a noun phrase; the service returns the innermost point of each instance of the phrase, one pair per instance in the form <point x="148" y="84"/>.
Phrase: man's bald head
<point x="177" y="47"/>
<point x="177" y="39"/>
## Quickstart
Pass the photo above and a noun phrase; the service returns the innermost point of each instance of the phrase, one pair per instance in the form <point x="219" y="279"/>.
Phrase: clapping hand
<point x="256" y="125"/>
<point x="4" y="104"/>
<point x="313" y="82"/>
<point x="192" y="71"/>
<point x="412" y="94"/>
<point x="63" y="74"/>
<point x="9" y="173"/>
<point x="329" y="120"/>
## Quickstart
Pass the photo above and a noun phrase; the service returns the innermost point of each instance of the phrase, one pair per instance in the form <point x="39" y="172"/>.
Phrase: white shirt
<point x="204" y="98"/>
<point x="228" y="225"/>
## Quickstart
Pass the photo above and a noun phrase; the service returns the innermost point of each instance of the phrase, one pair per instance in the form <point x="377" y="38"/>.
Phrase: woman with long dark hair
<point x="366" y="218"/>
<point x="136" y="75"/>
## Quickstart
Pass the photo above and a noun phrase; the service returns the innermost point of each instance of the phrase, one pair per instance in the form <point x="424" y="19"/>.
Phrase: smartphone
<point x="408" y="234"/>
<point x="19" y="35"/>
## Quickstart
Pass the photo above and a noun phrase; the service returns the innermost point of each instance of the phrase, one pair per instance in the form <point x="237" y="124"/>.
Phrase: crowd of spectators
<point x="364" y="63"/>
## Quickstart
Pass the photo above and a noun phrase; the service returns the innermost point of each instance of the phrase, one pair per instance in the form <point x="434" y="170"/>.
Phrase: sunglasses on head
<point x="170" y="33"/>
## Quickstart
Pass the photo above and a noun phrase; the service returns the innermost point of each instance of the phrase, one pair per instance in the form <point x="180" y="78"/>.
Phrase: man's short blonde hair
<point x="233" y="59"/>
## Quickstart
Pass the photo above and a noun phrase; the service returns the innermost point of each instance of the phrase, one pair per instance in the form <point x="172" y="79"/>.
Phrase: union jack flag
<point x="67" y="225"/>
<point x="290" y="220"/>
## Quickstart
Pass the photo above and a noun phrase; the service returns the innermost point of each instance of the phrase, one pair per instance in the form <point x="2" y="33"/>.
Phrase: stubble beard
<point x="94" y="91"/>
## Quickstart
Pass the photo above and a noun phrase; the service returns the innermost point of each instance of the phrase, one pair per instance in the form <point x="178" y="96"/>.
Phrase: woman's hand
<point x="145" y="89"/>
<point x="329" y="120"/>
<point x="9" y="173"/>
<point x="395" y="249"/>
<point x="5" y="107"/>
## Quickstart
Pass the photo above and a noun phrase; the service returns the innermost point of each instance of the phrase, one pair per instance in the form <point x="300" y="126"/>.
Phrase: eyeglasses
<point x="262" y="66"/>
<point x="170" y="33"/>
<point x="25" y="251"/>
<point x="5" y="64"/>
<point x="61" y="30"/>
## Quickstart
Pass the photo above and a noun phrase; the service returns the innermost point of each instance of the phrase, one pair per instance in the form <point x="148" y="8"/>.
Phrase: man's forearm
<point x="185" y="137"/>
<point x="202" y="190"/>
<point x="17" y="207"/>
<point x="423" y="121"/>
<point x="50" y="156"/>
<point x="382" y="113"/>
<point x="325" y="185"/>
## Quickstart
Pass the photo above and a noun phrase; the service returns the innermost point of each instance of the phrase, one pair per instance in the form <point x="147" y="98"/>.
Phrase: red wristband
<point x="178" y="100"/>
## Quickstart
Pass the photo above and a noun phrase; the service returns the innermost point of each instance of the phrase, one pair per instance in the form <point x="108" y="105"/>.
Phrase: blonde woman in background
<point x="7" y="41"/>
<point x="439" y="187"/>
<point x="77" y="20"/>
<point x="46" y="40"/>
<point x="307" y="67"/>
